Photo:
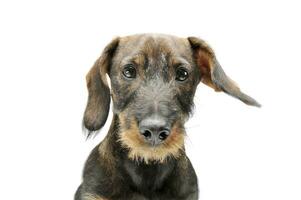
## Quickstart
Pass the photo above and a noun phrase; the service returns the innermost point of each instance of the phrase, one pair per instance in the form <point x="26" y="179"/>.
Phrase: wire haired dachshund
<point x="153" y="81"/>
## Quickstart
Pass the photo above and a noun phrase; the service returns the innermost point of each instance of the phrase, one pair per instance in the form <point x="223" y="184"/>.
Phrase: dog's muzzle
<point x="155" y="110"/>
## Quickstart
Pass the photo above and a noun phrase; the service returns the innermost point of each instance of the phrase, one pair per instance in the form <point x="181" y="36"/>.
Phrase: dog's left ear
<point x="98" y="104"/>
<point x="212" y="73"/>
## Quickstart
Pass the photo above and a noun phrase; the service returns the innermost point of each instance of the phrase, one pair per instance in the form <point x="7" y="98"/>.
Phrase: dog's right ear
<point x="98" y="104"/>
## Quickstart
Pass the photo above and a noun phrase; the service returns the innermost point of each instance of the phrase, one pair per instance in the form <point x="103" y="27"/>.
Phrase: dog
<point x="153" y="81"/>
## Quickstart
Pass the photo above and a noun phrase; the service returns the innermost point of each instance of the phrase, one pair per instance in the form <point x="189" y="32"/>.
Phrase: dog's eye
<point x="181" y="74"/>
<point x="129" y="71"/>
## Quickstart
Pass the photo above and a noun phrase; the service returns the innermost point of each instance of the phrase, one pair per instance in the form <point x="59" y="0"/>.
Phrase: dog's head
<point x="153" y="81"/>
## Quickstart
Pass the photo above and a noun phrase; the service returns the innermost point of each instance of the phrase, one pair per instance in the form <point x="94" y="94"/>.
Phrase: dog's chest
<point x="149" y="177"/>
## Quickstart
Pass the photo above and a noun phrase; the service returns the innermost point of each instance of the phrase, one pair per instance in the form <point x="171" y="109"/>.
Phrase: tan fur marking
<point x="139" y="150"/>
<point x="89" y="196"/>
<point x="204" y="61"/>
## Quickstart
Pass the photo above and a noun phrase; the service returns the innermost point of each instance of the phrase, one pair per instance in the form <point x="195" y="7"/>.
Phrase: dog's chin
<point x="139" y="150"/>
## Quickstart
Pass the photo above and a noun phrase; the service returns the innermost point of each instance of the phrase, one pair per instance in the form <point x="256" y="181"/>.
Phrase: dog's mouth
<point x="151" y="143"/>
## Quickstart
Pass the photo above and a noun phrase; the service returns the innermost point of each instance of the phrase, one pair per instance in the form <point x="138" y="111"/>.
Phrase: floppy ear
<point x="98" y="104"/>
<point x="212" y="73"/>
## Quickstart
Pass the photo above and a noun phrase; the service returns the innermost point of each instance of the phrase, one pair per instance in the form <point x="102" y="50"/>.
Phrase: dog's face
<point x="153" y="81"/>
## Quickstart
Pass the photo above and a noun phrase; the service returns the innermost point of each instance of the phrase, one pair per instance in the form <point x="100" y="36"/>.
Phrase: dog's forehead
<point x="155" y="45"/>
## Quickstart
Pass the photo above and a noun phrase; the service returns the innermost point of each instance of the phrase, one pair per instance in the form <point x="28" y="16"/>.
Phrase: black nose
<point x="154" y="130"/>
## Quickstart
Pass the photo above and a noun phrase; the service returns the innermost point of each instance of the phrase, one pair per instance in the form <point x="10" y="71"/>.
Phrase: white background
<point x="239" y="152"/>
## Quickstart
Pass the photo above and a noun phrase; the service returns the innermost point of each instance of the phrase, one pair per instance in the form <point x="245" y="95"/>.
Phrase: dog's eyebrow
<point x="138" y="59"/>
<point x="177" y="61"/>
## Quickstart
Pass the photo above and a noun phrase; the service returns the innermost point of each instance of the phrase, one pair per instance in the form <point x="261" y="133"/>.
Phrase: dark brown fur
<point x="124" y="166"/>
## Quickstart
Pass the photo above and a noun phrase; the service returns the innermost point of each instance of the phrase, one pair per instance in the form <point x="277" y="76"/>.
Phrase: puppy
<point x="153" y="81"/>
